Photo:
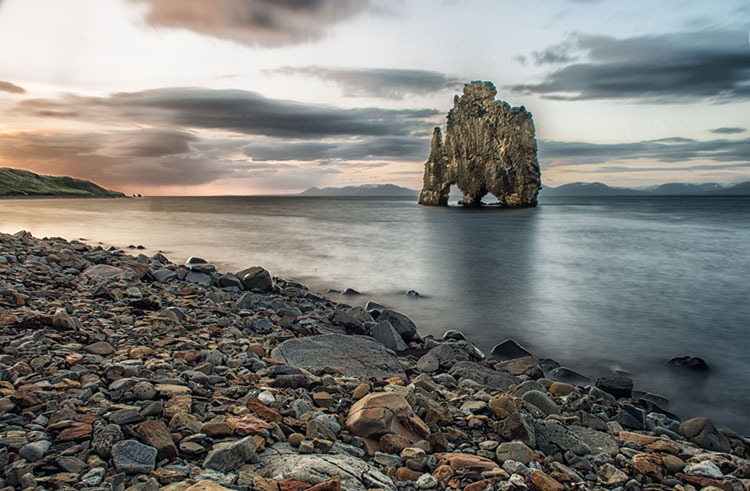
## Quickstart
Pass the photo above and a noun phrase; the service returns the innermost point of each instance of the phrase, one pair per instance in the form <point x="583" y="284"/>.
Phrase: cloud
<point x="685" y="66"/>
<point x="233" y="110"/>
<point x="11" y="88"/>
<point x="365" y="149"/>
<point x="668" y="150"/>
<point x="254" y="22"/>
<point x="726" y="130"/>
<point x="386" y="83"/>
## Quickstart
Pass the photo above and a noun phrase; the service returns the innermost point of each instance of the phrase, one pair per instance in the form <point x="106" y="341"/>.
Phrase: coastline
<point x="62" y="196"/>
<point x="205" y="349"/>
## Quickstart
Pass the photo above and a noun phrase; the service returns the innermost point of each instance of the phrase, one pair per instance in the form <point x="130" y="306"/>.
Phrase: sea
<point x="601" y="285"/>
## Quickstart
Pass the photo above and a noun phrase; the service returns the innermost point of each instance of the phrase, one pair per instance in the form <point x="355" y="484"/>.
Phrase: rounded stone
<point x="144" y="391"/>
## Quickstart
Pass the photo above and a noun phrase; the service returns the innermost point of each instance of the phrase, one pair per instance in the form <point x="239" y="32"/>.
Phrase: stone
<point x="568" y="375"/>
<point x="283" y="461"/>
<point x="689" y="362"/>
<point x="393" y="443"/>
<point x="204" y="486"/>
<point x="703" y="433"/>
<point x="503" y="405"/>
<point x="105" y="437"/>
<point x="155" y="434"/>
<point x="428" y="363"/>
<point x="527" y="365"/>
<point x="598" y="441"/>
<point x="549" y="432"/>
<point x="542" y="401"/>
<point x="35" y="450"/>
<point x="255" y="278"/>
<point x="144" y="391"/>
<point x="133" y="457"/>
<point x="426" y="481"/>
<point x="496" y="379"/>
<point x="459" y="461"/>
<point x="619" y="387"/>
<point x="490" y="147"/>
<point x="227" y="456"/>
<point x="331" y="484"/>
<point x="517" y="451"/>
<point x="611" y="476"/>
<point x="102" y="348"/>
<point x="561" y="388"/>
<point x="385" y="334"/>
<point x="509" y="350"/>
<point x="518" y="426"/>
<point x="545" y="482"/>
<point x="385" y="412"/>
<point x="93" y="477"/>
<point x="62" y="320"/>
<point x="404" y="326"/>
<point x="354" y="355"/>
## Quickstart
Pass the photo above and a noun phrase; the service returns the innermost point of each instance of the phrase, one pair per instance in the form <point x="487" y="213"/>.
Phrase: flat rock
<point x="133" y="457"/>
<point x="227" y="456"/>
<point x="553" y="432"/>
<point x="496" y="379"/>
<point x="283" y="461"/>
<point x="357" y="356"/>
<point x="598" y="441"/>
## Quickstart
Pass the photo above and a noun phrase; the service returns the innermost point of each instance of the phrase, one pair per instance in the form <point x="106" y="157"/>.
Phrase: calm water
<point x="597" y="284"/>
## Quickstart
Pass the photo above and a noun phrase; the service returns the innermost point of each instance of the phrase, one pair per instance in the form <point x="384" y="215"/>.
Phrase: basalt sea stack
<point x="490" y="147"/>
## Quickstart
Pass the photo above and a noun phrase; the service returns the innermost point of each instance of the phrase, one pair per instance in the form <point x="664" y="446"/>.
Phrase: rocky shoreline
<point x="122" y="372"/>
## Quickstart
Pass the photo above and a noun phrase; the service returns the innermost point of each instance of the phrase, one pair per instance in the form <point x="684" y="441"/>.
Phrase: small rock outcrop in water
<point x="490" y="147"/>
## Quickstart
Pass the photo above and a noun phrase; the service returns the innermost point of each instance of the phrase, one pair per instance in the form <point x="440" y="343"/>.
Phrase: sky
<point x="206" y="97"/>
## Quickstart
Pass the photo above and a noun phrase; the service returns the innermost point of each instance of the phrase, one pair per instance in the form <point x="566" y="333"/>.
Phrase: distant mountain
<point x="17" y="182"/>
<point x="669" y="189"/>
<point x="588" y="189"/>
<point x="380" y="190"/>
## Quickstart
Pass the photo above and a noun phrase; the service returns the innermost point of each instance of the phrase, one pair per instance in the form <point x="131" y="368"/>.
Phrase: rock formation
<point x="489" y="147"/>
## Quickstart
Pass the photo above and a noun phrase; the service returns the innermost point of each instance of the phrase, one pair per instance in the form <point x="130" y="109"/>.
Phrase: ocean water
<point x="597" y="284"/>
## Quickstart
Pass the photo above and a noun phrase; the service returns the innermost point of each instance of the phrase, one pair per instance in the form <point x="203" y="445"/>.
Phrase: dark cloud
<point x="726" y="130"/>
<point x="555" y="54"/>
<point x="232" y="110"/>
<point x="11" y="88"/>
<point x="668" y="150"/>
<point x="254" y="22"/>
<point x="391" y="148"/>
<point x="687" y="66"/>
<point x="387" y="83"/>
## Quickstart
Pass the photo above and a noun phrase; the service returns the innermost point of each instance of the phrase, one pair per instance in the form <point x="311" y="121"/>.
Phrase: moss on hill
<point x="17" y="182"/>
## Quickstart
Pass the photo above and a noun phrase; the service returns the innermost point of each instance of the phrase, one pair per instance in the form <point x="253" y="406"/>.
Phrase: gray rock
<point x="94" y="476"/>
<point x="620" y="387"/>
<point x="164" y="275"/>
<point x="226" y="457"/>
<point x="496" y="379"/>
<point x="133" y="457"/>
<point x="428" y="363"/>
<point x="541" y="401"/>
<point x="125" y="416"/>
<point x="386" y="335"/>
<point x="105" y="437"/>
<point x="62" y="320"/>
<point x="705" y="469"/>
<point x="553" y="432"/>
<point x="282" y="461"/>
<point x="35" y="450"/>
<point x="509" y="350"/>
<point x="201" y="279"/>
<point x="518" y="426"/>
<point x="144" y="391"/>
<point x="517" y="451"/>
<point x="703" y="433"/>
<point x="355" y="355"/>
<point x="568" y="375"/>
<point x="489" y="147"/>
<point x="402" y="324"/>
<point x="598" y="441"/>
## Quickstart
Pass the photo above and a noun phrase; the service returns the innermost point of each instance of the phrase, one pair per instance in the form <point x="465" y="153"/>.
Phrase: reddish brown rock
<point x="154" y="433"/>
<point x="545" y="482"/>
<point x="385" y="412"/>
<point x="467" y="461"/>
<point x="332" y="484"/>
<point x="290" y="484"/>
<point x="701" y="482"/>
<point x="406" y="474"/>
<point x="78" y="431"/>
<point x="247" y="424"/>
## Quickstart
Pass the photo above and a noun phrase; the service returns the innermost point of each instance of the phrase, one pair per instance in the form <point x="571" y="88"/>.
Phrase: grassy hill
<point x="17" y="182"/>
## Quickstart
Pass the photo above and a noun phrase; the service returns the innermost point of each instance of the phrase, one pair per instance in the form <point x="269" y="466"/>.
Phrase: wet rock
<point x="541" y="401"/>
<point x="402" y="324"/>
<point x="509" y="350"/>
<point x="255" y="278"/>
<point x="496" y="379"/>
<point x="354" y="355"/>
<point x="619" y="387"/>
<point x="386" y="335"/>
<point x="689" y="362"/>
<point x="527" y="365"/>
<point x="703" y="433"/>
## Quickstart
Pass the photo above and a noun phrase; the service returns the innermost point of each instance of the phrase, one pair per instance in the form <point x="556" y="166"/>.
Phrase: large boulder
<point x="282" y="461"/>
<point x="402" y="324"/>
<point x="357" y="356"/>
<point x="703" y="433"/>
<point x="384" y="413"/>
<point x="490" y="147"/>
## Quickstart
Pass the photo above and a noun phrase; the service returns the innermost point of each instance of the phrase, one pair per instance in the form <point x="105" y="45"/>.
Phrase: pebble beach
<point x="121" y="371"/>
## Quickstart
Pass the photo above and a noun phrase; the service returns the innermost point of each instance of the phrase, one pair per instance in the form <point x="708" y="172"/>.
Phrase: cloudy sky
<point x="274" y="96"/>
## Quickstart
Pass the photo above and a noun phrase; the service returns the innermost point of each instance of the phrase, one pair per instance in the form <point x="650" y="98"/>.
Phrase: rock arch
<point x="490" y="148"/>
